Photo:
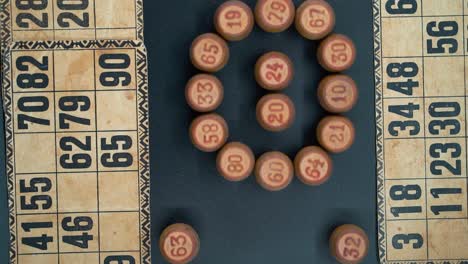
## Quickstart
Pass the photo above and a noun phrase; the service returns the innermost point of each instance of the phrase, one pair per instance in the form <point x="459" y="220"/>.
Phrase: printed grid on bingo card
<point x="28" y="20"/>
<point x="77" y="152"/>
<point x="421" y="68"/>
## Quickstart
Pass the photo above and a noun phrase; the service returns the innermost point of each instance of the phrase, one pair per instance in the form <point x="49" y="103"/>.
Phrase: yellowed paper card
<point x="77" y="152"/>
<point x="421" y="89"/>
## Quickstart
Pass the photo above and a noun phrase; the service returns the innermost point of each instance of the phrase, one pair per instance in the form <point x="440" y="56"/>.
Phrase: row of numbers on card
<point x="85" y="100"/>
<point x="73" y="19"/>
<point x="83" y="232"/>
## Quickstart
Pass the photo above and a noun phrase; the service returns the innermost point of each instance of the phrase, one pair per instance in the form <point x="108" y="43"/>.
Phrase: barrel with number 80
<point x="235" y="161"/>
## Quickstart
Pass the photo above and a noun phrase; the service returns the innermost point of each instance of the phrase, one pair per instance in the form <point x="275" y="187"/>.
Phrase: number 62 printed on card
<point x="77" y="152"/>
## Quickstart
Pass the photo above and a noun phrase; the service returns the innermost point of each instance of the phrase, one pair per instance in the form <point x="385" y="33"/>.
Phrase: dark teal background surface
<point x="240" y="222"/>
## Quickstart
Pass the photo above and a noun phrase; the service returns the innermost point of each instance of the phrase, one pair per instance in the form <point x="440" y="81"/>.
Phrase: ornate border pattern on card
<point x="379" y="132"/>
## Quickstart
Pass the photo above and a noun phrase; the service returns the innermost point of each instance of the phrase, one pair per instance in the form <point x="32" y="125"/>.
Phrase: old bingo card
<point x="71" y="19"/>
<point x="77" y="148"/>
<point x="421" y="66"/>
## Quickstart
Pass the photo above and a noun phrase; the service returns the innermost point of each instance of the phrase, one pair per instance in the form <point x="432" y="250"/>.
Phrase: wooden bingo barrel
<point x="336" y="53"/>
<point x="274" y="15"/>
<point x="315" y="19"/>
<point x="209" y="132"/>
<point x="349" y="244"/>
<point x="336" y="133"/>
<point x="179" y="244"/>
<point x="274" y="71"/>
<point x="274" y="171"/>
<point x="313" y="166"/>
<point x="337" y="93"/>
<point x="209" y="52"/>
<point x="234" y="20"/>
<point x="204" y="93"/>
<point x="235" y="161"/>
<point x="275" y="112"/>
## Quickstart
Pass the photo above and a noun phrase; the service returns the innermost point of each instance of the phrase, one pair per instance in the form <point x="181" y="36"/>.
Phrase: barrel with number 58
<point x="209" y="132"/>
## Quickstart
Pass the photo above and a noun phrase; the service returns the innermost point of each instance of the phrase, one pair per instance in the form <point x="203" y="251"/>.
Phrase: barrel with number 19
<point x="234" y="20"/>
